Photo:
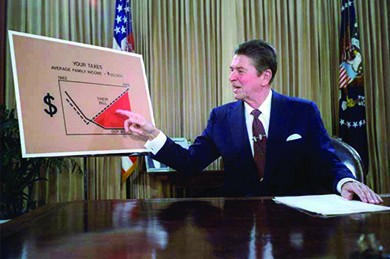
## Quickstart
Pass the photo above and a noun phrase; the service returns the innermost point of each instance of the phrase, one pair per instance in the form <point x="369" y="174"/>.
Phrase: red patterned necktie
<point x="259" y="143"/>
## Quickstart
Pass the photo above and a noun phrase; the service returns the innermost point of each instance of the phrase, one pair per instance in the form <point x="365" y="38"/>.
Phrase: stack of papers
<point x="329" y="205"/>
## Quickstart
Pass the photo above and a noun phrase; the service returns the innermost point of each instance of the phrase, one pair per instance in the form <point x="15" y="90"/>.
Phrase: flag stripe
<point x="128" y="172"/>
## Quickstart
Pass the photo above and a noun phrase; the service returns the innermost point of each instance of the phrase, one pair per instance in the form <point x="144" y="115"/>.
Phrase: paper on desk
<point x="329" y="204"/>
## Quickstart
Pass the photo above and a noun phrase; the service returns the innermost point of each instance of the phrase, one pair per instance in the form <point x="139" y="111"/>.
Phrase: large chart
<point x="82" y="116"/>
<point x="67" y="94"/>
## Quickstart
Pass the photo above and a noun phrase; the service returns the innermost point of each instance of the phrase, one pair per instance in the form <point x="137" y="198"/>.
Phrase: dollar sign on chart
<point x="52" y="108"/>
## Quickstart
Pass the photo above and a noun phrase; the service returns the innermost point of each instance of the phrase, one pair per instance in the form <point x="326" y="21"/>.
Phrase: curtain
<point x="187" y="48"/>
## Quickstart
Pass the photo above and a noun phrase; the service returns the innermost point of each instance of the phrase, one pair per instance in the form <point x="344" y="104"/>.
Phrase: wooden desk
<point x="187" y="228"/>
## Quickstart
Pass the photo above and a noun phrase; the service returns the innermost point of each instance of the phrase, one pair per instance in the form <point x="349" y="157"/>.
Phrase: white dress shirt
<point x="264" y="117"/>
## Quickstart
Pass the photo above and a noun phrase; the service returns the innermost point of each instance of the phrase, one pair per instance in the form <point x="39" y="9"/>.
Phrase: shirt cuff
<point x="156" y="144"/>
<point x="343" y="181"/>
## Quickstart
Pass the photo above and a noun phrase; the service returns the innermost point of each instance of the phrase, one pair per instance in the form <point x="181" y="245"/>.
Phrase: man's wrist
<point x="156" y="143"/>
<point x="342" y="182"/>
<point x="153" y="134"/>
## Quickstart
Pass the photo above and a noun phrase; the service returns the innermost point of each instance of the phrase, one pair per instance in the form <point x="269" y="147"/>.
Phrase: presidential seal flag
<point x="124" y="40"/>
<point x="352" y="105"/>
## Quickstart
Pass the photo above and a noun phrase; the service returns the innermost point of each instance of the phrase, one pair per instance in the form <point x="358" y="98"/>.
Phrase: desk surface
<point x="188" y="228"/>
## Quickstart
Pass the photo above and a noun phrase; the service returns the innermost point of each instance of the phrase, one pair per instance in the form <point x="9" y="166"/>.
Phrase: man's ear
<point x="266" y="77"/>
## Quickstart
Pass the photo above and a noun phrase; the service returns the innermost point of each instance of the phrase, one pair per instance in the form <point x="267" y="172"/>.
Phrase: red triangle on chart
<point x="109" y="119"/>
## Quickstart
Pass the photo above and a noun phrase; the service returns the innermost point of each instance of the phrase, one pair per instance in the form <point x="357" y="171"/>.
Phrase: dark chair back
<point x="350" y="157"/>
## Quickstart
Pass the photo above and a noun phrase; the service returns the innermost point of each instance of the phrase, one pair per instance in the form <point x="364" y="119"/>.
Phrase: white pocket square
<point x="293" y="137"/>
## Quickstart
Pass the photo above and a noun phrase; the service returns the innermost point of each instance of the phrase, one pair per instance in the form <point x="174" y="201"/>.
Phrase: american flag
<point x="352" y="105"/>
<point x="124" y="40"/>
<point x="123" y="26"/>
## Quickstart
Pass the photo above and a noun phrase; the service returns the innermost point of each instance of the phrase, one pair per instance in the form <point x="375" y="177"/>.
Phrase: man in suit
<point x="283" y="151"/>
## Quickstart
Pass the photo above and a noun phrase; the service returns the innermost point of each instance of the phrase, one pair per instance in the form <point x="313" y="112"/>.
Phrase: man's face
<point x="245" y="79"/>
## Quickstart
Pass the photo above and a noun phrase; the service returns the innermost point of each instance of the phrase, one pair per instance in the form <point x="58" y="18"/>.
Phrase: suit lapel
<point x="278" y="123"/>
<point x="278" y="126"/>
<point x="237" y="126"/>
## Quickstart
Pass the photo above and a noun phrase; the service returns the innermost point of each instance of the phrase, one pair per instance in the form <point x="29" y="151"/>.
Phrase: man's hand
<point x="138" y="125"/>
<point x="361" y="190"/>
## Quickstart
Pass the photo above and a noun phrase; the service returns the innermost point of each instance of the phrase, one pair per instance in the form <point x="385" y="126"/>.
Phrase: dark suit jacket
<point x="303" y="166"/>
